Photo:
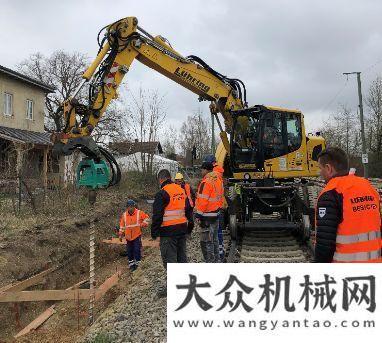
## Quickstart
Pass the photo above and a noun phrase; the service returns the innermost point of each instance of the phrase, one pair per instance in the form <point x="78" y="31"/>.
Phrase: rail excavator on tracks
<point x="267" y="156"/>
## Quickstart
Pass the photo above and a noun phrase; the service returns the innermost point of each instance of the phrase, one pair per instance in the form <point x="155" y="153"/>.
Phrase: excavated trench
<point x="64" y="244"/>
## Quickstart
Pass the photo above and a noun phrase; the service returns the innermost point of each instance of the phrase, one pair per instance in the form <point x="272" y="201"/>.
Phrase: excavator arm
<point x="123" y="42"/>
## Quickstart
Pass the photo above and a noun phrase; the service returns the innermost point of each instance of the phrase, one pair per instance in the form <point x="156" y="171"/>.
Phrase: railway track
<point x="267" y="241"/>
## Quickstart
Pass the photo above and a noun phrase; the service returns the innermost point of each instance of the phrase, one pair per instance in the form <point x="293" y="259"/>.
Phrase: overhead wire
<point x="369" y="68"/>
<point x="335" y="96"/>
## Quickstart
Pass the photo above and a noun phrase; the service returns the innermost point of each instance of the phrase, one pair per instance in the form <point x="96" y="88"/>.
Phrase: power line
<point x="345" y="84"/>
<point x="335" y="97"/>
<point x="371" y="66"/>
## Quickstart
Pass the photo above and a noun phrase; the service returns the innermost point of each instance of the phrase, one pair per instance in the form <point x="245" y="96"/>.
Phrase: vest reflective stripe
<point x="132" y="225"/>
<point x="173" y="214"/>
<point x="208" y="214"/>
<point x="359" y="256"/>
<point x="204" y="196"/>
<point x="362" y="237"/>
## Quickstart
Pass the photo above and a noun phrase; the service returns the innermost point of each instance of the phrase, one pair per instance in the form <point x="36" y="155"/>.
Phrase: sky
<point x="289" y="53"/>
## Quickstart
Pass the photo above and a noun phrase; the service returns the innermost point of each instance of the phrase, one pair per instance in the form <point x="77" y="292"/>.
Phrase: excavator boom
<point x="288" y="154"/>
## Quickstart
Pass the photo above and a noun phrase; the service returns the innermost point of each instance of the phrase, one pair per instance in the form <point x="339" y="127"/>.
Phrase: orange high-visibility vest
<point x="130" y="224"/>
<point x="209" y="198"/>
<point x="174" y="212"/>
<point x="359" y="233"/>
<point x="187" y="189"/>
<point x="218" y="170"/>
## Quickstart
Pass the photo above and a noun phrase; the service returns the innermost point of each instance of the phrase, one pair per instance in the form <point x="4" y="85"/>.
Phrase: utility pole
<point x="365" y="159"/>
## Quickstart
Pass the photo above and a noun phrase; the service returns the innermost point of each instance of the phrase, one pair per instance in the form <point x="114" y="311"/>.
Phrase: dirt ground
<point x="64" y="240"/>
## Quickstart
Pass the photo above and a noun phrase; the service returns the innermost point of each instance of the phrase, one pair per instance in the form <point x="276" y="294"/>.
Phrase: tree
<point x="146" y="115"/>
<point x="342" y="130"/>
<point x="171" y="143"/>
<point x="63" y="71"/>
<point x="374" y="104"/>
<point x="196" y="131"/>
<point x="113" y="124"/>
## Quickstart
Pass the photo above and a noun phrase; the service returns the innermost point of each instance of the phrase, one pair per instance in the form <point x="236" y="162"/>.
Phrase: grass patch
<point x="101" y="337"/>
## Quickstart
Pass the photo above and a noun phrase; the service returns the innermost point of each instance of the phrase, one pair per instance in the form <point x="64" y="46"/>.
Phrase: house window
<point x="8" y="104"/>
<point x="29" y="109"/>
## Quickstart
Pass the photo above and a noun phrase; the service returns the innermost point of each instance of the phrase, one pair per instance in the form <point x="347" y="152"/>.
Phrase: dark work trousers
<point x="209" y="242"/>
<point x="134" y="252"/>
<point x="220" y="235"/>
<point x="173" y="249"/>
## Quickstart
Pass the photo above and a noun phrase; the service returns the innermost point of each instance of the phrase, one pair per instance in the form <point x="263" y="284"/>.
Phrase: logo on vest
<point x="322" y="212"/>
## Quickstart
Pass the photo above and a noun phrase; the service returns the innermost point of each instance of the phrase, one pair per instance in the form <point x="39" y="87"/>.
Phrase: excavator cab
<point x="270" y="142"/>
<point x="261" y="134"/>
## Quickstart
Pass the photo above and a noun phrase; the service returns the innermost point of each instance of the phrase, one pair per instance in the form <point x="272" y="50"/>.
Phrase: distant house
<point x="24" y="146"/>
<point x="129" y="148"/>
<point x="139" y="156"/>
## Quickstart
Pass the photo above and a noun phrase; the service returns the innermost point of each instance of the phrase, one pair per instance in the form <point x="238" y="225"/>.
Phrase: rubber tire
<point x="233" y="226"/>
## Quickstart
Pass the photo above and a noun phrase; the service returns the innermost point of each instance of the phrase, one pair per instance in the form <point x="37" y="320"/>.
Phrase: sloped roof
<point x="129" y="148"/>
<point x="14" y="74"/>
<point x="25" y="136"/>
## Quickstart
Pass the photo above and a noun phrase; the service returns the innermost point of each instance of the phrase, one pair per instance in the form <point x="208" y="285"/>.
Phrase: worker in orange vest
<point x="348" y="220"/>
<point x="219" y="172"/>
<point x="207" y="208"/>
<point x="172" y="219"/>
<point x="130" y="224"/>
<point x="179" y="179"/>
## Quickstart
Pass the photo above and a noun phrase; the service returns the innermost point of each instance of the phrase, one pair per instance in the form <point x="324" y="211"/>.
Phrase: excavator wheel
<point x="233" y="227"/>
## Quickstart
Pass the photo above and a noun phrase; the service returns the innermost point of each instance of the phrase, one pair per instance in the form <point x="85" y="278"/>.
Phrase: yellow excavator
<point x="265" y="151"/>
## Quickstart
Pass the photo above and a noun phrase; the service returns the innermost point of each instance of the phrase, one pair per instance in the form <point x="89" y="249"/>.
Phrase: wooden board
<point x="145" y="242"/>
<point x="150" y="243"/>
<point x="33" y="280"/>
<point x="21" y="296"/>
<point x="114" y="241"/>
<point x="71" y="293"/>
<point x="43" y="317"/>
<point x="78" y="284"/>
<point x="109" y="283"/>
